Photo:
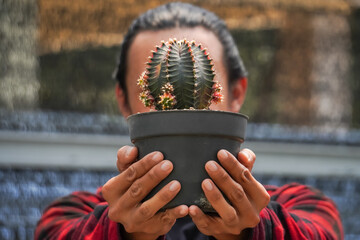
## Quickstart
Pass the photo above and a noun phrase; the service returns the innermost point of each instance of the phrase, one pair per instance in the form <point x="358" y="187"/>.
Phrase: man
<point x="117" y="212"/>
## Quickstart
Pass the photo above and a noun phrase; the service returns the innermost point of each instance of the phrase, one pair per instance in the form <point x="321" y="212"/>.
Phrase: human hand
<point x="126" y="156"/>
<point x="247" y="196"/>
<point x="247" y="158"/>
<point x="124" y="193"/>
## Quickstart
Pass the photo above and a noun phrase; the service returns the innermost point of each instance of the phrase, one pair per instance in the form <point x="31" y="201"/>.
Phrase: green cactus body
<point x="204" y="77"/>
<point x="157" y="70"/>
<point x="179" y="75"/>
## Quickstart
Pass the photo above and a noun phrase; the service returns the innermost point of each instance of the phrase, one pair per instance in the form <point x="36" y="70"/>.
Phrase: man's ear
<point x="238" y="93"/>
<point x="122" y="101"/>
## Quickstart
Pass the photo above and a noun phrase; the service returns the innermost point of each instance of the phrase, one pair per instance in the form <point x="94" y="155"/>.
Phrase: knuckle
<point x="230" y="219"/>
<point x="216" y="197"/>
<point x="254" y="221"/>
<point x="153" y="175"/>
<point x="135" y="189"/>
<point x="223" y="176"/>
<point x="203" y="225"/>
<point x="237" y="194"/>
<point x="144" y="211"/>
<point x="205" y="229"/>
<point x="242" y="175"/>
<point x="166" y="220"/>
<point x="233" y="164"/>
<point x="142" y="166"/>
<point x="131" y="174"/>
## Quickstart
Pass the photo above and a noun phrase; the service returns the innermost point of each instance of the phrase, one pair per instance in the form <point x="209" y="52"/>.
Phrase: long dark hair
<point x="177" y="14"/>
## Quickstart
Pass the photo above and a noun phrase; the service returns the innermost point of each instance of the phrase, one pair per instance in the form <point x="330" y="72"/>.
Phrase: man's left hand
<point x="247" y="196"/>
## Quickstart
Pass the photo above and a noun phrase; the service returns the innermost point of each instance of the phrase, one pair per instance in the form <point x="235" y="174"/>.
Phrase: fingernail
<point x="128" y="151"/>
<point x="174" y="186"/>
<point x="247" y="154"/>
<point x="223" y="154"/>
<point x="166" y="166"/>
<point x="208" y="185"/>
<point x="157" y="157"/>
<point x="192" y="212"/>
<point x="183" y="211"/>
<point x="212" y="166"/>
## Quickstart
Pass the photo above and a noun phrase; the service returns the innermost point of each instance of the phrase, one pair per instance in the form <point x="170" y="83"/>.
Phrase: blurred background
<point x="60" y="127"/>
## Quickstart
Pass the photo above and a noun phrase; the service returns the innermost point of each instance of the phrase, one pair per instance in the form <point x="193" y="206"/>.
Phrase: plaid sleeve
<point x="81" y="215"/>
<point x="298" y="212"/>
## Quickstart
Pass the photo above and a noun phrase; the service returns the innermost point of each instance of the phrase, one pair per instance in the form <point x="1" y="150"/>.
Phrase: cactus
<point x="179" y="75"/>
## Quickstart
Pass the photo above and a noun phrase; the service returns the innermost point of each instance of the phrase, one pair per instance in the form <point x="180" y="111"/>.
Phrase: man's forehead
<point x="146" y="41"/>
<point x="199" y="34"/>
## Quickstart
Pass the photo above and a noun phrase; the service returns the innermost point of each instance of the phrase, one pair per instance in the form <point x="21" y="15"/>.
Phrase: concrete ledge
<point x="305" y="159"/>
<point x="91" y="151"/>
<point x="59" y="150"/>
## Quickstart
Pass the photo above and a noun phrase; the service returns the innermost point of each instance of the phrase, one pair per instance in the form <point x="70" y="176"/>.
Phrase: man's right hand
<point x="125" y="192"/>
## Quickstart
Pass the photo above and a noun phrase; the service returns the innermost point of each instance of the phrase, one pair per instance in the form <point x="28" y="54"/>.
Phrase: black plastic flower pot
<point x="188" y="138"/>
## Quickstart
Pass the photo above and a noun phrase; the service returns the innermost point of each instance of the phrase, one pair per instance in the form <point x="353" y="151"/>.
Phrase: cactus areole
<point x="179" y="83"/>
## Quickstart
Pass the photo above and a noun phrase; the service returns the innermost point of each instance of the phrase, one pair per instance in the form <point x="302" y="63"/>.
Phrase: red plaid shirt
<point x="295" y="212"/>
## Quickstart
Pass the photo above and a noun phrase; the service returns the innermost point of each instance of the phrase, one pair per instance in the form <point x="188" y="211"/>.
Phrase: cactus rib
<point x="179" y="75"/>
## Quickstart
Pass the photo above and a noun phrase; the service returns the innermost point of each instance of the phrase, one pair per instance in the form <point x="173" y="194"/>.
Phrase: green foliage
<point x="355" y="71"/>
<point x="257" y="49"/>
<point x="78" y="81"/>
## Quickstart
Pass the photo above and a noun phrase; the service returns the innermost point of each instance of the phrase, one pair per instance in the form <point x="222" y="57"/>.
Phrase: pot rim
<point x="187" y="123"/>
<point x="187" y="111"/>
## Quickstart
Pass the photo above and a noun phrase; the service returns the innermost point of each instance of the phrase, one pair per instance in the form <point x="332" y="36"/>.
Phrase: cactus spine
<point x="179" y="75"/>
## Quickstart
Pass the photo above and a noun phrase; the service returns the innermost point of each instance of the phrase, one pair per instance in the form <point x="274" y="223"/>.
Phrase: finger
<point x="227" y="213"/>
<point x="162" y="222"/>
<point x="247" y="158"/>
<point x="170" y="215"/>
<point x="118" y="185"/>
<point x="150" y="207"/>
<point x="125" y="157"/>
<point x="242" y="175"/>
<point x="243" y="214"/>
<point x="199" y="218"/>
<point x="242" y="205"/>
<point x="142" y="186"/>
<point x="231" y="165"/>
<point x="177" y="212"/>
<point x="202" y="221"/>
<point x="214" y="226"/>
<point x="233" y="190"/>
<point x="255" y="190"/>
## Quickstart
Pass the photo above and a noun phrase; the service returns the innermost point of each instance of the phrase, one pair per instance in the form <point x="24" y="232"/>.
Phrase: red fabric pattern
<point x="296" y="212"/>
